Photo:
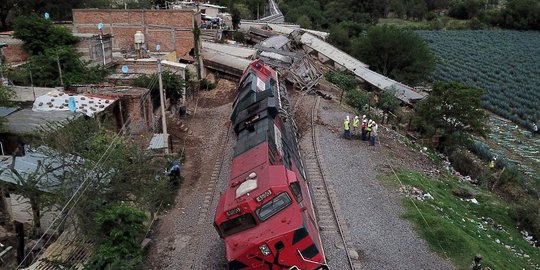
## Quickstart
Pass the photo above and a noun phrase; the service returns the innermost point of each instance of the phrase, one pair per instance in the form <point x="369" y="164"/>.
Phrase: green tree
<point x="304" y="22"/>
<point x="6" y="94"/>
<point x="388" y="101"/>
<point x="521" y="14"/>
<point x="6" y="6"/>
<point x="51" y="46"/>
<point x="453" y="111"/>
<point x="38" y="185"/>
<point x="39" y="34"/>
<point x="339" y="37"/>
<point x="172" y="83"/>
<point x="398" y="53"/>
<point x="359" y="100"/>
<point x="119" y="232"/>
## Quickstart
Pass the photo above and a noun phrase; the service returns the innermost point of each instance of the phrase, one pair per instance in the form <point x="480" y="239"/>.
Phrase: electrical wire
<point x="115" y="138"/>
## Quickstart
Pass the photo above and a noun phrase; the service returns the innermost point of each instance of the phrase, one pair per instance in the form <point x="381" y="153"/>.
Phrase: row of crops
<point x="505" y="63"/>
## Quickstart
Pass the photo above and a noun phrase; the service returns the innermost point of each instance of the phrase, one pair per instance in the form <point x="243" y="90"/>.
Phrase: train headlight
<point x="265" y="250"/>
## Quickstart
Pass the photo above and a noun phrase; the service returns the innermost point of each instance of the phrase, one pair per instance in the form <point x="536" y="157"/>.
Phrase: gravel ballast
<point x="372" y="212"/>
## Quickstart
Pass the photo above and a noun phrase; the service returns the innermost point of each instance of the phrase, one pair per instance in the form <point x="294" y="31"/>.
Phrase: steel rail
<point x="315" y="139"/>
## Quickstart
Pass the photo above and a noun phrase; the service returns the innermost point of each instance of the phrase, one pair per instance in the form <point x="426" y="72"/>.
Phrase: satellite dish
<point x="100" y="26"/>
<point x="125" y="69"/>
<point x="46" y="15"/>
<point x="158" y="47"/>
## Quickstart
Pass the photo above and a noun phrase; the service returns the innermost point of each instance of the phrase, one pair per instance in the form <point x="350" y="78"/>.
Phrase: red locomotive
<point x="265" y="215"/>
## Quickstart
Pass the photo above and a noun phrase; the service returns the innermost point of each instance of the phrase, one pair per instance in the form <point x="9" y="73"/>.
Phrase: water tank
<point x="139" y="37"/>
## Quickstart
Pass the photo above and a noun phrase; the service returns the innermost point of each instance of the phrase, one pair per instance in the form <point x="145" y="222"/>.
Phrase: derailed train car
<point x="266" y="215"/>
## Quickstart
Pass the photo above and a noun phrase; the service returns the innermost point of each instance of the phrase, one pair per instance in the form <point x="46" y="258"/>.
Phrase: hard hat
<point x="347" y="118"/>
<point x="356" y="117"/>
<point x="363" y="116"/>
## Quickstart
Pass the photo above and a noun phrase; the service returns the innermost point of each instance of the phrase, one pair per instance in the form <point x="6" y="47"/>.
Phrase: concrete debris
<point x="416" y="193"/>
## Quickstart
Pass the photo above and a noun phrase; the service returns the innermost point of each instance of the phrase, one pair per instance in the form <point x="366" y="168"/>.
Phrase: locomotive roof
<point x="267" y="176"/>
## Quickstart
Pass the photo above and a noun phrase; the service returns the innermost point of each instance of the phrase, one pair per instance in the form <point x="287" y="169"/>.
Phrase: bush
<point x="430" y="16"/>
<point x="528" y="217"/>
<point x="481" y="150"/>
<point x="207" y="85"/>
<point x="462" y="163"/>
<point x="358" y="99"/>
<point x="119" y="232"/>
<point x="342" y="80"/>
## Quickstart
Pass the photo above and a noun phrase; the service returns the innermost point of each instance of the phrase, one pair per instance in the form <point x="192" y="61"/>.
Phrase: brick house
<point x="172" y="29"/>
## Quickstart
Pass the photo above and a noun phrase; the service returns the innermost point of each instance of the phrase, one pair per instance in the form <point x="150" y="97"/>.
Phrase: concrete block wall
<point x="172" y="29"/>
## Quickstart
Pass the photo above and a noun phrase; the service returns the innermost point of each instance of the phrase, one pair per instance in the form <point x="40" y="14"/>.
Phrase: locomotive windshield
<point x="278" y="203"/>
<point x="238" y="224"/>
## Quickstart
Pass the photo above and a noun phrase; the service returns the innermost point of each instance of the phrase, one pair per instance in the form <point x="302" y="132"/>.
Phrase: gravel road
<point x="372" y="212"/>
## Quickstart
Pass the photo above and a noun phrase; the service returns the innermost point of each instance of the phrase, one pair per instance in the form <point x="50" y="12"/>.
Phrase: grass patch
<point x="459" y="229"/>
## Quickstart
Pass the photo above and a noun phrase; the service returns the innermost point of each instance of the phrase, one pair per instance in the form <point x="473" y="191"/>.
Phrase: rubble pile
<point x="414" y="192"/>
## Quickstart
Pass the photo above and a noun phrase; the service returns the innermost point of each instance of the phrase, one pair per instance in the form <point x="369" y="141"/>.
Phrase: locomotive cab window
<point x="237" y="225"/>
<point x="278" y="203"/>
<point x="297" y="191"/>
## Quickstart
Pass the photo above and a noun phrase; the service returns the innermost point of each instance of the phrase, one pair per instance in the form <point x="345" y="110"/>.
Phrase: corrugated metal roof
<point x="158" y="141"/>
<point x="237" y="51"/>
<point x="276" y="42"/>
<point x="402" y="91"/>
<point x="26" y="121"/>
<point x="5" y="111"/>
<point x="29" y="163"/>
<point x="225" y="59"/>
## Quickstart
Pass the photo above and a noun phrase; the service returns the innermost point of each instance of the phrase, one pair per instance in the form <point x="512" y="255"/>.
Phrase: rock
<point x="353" y="254"/>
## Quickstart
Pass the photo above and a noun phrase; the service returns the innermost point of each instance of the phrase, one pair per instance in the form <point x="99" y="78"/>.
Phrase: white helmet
<point x="347" y="118"/>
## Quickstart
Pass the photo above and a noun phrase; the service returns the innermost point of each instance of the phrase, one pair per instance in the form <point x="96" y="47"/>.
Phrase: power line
<point x="115" y="138"/>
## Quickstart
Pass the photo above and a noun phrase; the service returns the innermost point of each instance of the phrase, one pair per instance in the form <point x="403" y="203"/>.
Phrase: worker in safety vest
<point x="355" y="123"/>
<point x="368" y="129"/>
<point x="491" y="164"/>
<point x="364" y="126"/>
<point x="347" y="128"/>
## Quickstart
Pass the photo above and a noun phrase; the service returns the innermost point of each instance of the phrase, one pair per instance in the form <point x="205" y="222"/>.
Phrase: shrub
<point x="430" y="16"/>
<point x="358" y="99"/>
<point x="528" y="217"/>
<point x="481" y="150"/>
<point x="119" y="231"/>
<point x="207" y="85"/>
<point x="343" y="80"/>
<point x="462" y="163"/>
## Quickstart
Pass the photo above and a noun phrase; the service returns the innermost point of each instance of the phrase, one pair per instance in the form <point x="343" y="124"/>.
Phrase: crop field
<point x="505" y="63"/>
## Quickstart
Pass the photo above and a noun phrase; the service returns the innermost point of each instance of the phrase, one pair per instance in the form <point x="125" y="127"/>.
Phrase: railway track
<point x="192" y="261"/>
<point x="333" y="229"/>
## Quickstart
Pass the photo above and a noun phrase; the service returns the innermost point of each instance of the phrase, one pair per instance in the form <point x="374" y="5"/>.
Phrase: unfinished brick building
<point x="172" y="29"/>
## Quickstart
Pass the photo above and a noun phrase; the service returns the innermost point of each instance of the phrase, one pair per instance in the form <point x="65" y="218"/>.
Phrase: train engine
<point x="265" y="215"/>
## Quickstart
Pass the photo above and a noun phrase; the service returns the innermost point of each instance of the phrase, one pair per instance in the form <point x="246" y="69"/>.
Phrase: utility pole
<point x="59" y="70"/>
<point x="163" y="116"/>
